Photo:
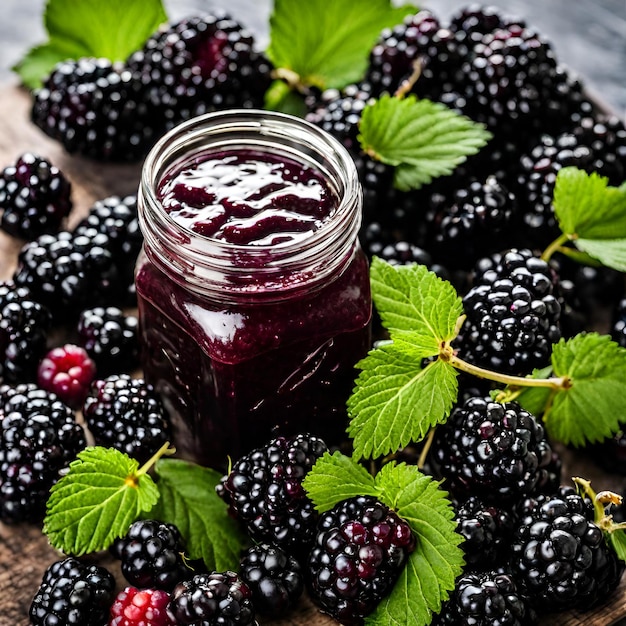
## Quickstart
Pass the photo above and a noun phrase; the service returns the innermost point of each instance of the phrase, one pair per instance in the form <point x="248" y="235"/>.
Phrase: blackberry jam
<point x="253" y="291"/>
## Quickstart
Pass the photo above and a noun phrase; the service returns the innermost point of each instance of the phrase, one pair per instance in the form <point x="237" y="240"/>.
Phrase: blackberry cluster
<point x="264" y="491"/>
<point x="39" y="437"/>
<point x="127" y="414"/>
<point x="35" y="197"/>
<point x="219" y="598"/>
<point x="151" y="555"/>
<point x="73" y="593"/>
<point x="512" y="314"/>
<point x="360" y="549"/>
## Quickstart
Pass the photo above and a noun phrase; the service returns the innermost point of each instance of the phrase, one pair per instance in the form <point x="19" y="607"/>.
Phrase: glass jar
<point x="246" y="342"/>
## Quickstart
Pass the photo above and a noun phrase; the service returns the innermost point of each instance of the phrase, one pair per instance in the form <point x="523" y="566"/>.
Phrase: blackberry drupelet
<point x="497" y="452"/>
<point x="201" y="64"/>
<point x="24" y="326"/>
<point x="35" y="197"/>
<point x="66" y="273"/>
<point x="274" y="577"/>
<point x="491" y="598"/>
<point x="73" y="593"/>
<point x="264" y="491"/>
<point x="151" y="553"/>
<point x="127" y="414"/>
<point x="110" y="338"/>
<point x="39" y="437"/>
<point x="140" y="607"/>
<point x="360" y="550"/>
<point x="96" y="108"/>
<point x="560" y="555"/>
<point x="512" y="314"/>
<point x="216" y="599"/>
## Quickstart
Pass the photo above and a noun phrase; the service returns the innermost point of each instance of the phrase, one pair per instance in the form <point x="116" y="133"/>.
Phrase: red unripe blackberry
<point x="145" y="607"/>
<point x="359" y="552"/>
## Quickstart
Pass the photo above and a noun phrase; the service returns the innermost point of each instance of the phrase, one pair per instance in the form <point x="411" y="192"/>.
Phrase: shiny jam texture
<point x="235" y="375"/>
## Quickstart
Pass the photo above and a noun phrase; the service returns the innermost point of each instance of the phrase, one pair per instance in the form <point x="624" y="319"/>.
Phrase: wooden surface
<point x="24" y="551"/>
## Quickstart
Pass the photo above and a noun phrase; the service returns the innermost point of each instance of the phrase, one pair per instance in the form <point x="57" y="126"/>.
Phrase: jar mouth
<point x="209" y="263"/>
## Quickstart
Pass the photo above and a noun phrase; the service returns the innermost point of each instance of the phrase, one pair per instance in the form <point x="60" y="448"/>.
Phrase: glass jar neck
<point x="236" y="272"/>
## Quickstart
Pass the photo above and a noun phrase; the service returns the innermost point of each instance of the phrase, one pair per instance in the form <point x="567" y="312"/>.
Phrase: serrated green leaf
<point x="617" y="540"/>
<point x="327" y="44"/>
<point x="411" y="298"/>
<point x="188" y="500"/>
<point x="587" y="207"/>
<point x="336" y="477"/>
<point x="437" y="561"/>
<point x="610" y="252"/>
<point x="422" y="139"/>
<point x="396" y="401"/>
<point x="91" y="28"/>
<point x="593" y="406"/>
<point x="96" y="501"/>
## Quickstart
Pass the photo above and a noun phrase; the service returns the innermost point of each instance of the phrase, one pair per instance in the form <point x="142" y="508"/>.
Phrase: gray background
<point x="589" y="36"/>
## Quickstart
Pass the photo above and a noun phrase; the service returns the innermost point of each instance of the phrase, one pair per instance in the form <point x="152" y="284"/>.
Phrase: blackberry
<point x="140" y="607"/>
<point x="512" y="313"/>
<point x="200" y="64"/>
<point x="560" y="555"/>
<point x="96" y="108"/>
<point x="39" y="437"/>
<point x="65" y="272"/>
<point x="491" y="598"/>
<point x="274" y="577"/>
<point x="73" y="593"/>
<point x="264" y="491"/>
<point x="110" y="338"/>
<point x="376" y="180"/>
<point x="497" y="452"/>
<point x="360" y="550"/>
<point x="24" y="326"/>
<point x="217" y="599"/>
<point x="35" y="197"/>
<point x="127" y="414"/>
<point x="151" y="555"/>
<point x="477" y="20"/>
<point x="618" y="330"/>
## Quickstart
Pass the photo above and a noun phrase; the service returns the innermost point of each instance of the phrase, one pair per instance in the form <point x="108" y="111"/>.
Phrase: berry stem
<point x="556" y="245"/>
<point x="162" y="451"/>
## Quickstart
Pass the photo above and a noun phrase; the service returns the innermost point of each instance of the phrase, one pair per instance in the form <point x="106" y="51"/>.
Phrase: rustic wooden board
<point x="24" y="551"/>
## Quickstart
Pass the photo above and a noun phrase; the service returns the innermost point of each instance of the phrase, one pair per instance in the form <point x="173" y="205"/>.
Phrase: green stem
<point x="422" y="460"/>
<point x="554" y="246"/>
<point x="163" y="450"/>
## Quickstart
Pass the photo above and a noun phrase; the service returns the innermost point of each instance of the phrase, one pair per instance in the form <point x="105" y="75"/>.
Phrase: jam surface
<point x="247" y="198"/>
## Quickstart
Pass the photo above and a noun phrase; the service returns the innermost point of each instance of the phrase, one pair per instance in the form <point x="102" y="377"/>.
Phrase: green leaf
<point x="610" y="252"/>
<point x="279" y="97"/>
<point x="423" y="139"/>
<point x="587" y="207"/>
<point x="396" y="401"/>
<point x="188" y="500"/>
<point x="617" y="540"/>
<point x="96" y="501"/>
<point x="112" y="29"/>
<point x="437" y="561"/>
<point x="411" y="298"/>
<point x="327" y="44"/>
<point x="594" y="404"/>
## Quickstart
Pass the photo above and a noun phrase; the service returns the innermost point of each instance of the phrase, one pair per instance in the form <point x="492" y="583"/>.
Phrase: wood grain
<point x="24" y="551"/>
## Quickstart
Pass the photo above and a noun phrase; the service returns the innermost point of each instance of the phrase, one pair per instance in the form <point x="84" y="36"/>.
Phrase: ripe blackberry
<point x="477" y="20"/>
<point x="127" y="414"/>
<point x="73" y="594"/>
<point x="67" y="371"/>
<point x="217" y="599"/>
<point x="618" y="331"/>
<point x="491" y="598"/>
<point x="145" y="607"/>
<point x="512" y="314"/>
<point x="96" y="108"/>
<point x="264" y="491"/>
<point x="110" y="338"/>
<point x="559" y="554"/>
<point x="65" y="273"/>
<point x="497" y="452"/>
<point x="39" y="437"/>
<point x="34" y="197"/>
<point x="201" y="64"/>
<point x="360" y="550"/>
<point x="151" y="553"/>
<point x="376" y="180"/>
<point x="24" y="326"/>
<point x="274" y="577"/>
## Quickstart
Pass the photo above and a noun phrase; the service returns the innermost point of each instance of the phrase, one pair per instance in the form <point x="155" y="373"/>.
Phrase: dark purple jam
<point x="235" y="374"/>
